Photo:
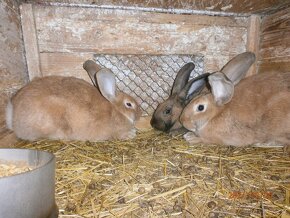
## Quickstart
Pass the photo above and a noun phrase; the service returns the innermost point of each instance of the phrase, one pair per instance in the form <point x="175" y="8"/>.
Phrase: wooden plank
<point x="64" y="29"/>
<point x="65" y="64"/>
<point x="237" y="6"/>
<point x="12" y="64"/>
<point x="70" y="64"/>
<point x="265" y="67"/>
<point x="253" y="40"/>
<point x="275" y="42"/>
<point x="30" y="40"/>
<point x="273" y="52"/>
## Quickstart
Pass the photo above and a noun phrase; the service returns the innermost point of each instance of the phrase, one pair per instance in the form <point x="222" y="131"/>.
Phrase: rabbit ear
<point x="92" y="68"/>
<point x="221" y="87"/>
<point x="193" y="88"/>
<point x="238" y="66"/>
<point x="107" y="84"/>
<point x="182" y="78"/>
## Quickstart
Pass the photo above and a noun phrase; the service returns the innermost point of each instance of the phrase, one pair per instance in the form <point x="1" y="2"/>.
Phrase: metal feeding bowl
<point x="28" y="194"/>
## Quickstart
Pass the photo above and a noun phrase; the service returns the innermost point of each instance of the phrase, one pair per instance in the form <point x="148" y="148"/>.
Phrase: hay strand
<point x="155" y="175"/>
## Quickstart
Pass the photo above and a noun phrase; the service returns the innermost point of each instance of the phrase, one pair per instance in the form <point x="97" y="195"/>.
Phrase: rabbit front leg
<point x="130" y="134"/>
<point x="192" y="138"/>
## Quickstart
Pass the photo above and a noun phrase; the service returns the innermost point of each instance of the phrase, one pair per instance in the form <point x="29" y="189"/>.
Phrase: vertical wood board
<point x="12" y="64"/>
<point x="253" y="41"/>
<point x="275" y="42"/>
<point x="30" y="40"/>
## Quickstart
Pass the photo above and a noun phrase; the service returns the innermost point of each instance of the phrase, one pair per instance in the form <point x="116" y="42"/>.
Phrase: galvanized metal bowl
<point x="29" y="194"/>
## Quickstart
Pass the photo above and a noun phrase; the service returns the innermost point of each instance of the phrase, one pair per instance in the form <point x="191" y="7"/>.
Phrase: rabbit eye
<point x="200" y="107"/>
<point x="128" y="104"/>
<point x="167" y="111"/>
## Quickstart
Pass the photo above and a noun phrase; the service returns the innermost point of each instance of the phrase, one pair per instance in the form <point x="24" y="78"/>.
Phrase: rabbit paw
<point x="130" y="134"/>
<point x="191" y="138"/>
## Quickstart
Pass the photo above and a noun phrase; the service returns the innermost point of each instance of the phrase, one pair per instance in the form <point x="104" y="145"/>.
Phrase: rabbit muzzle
<point x="160" y="124"/>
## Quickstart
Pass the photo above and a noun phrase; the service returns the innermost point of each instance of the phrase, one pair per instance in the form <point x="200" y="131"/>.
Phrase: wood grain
<point x="65" y="64"/>
<point x="30" y="40"/>
<point x="63" y="31"/>
<point x="120" y="32"/>
<point x="12" y="64"/>
<point x="253" y="41"/>
<point x="275" y="42"/>
<point x="235" y="6"/>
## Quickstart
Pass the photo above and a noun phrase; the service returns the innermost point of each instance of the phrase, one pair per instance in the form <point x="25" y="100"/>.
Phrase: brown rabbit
<point x="166" y="116"/>
<point x="68" y="108"/>
<point x="255" y="112"/>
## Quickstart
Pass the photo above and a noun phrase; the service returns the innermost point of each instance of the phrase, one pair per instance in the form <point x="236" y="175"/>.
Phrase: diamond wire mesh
<point x="148" y="78"/>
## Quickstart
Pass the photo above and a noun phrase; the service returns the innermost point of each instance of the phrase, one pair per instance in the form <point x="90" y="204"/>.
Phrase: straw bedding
<point x="155" y="175"/>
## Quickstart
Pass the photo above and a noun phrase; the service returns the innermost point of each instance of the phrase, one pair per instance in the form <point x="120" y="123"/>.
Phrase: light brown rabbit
<point x="255" y="112"/>
<point x="68" y="108"/>
<point x="166" y="116"/>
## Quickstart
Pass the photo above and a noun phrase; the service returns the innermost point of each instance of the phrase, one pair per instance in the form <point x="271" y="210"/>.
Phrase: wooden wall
<point x="275" y="42"/>
<point x="12" y="64"/>
<point x="227" y="6"/>
<point x="67" y="36"/>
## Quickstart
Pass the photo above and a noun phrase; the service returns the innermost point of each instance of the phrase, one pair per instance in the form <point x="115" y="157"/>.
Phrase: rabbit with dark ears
<point x="69" y="108"/>
<point x="166" y="116"/>
<point x="254" y="112"/>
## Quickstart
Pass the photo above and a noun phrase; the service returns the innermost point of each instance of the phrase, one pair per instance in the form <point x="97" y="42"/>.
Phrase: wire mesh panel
<point x="148" y="78"/>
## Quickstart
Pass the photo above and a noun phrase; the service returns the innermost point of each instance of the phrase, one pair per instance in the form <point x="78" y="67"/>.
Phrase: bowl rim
<point x="52" y="159"/>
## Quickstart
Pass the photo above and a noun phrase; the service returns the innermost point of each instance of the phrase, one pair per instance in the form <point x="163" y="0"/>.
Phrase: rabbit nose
<point x="153" y="122"/>
<point x="156" y="124"/>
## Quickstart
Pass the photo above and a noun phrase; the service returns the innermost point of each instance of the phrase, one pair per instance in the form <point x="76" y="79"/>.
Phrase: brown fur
<point x="71" y="109"/>
<point x="169" y="122"/>
<point x="259" y="112"/>
<point x="166" y="115"/>
<point x="235" y="70"/>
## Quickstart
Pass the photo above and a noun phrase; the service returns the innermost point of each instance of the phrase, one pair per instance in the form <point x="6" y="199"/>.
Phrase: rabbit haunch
<point x="258" y="113"/>
<point x="68" y="108"/>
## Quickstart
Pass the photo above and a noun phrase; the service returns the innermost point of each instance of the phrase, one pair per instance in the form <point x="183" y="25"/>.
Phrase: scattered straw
<point x="155" y="175"/>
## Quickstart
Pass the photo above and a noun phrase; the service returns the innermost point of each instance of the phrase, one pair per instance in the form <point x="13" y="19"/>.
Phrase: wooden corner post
<point x="30" y="41"/>
<point x="253" y="40"/>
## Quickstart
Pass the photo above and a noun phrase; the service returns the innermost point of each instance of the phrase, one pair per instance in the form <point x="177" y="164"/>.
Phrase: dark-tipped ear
<point x="193" y="88"/>
<point x="182" y="78"/>
<point x="236" y="69"/>
<point x="222" y="88"/>
<point x="92" y="68"/>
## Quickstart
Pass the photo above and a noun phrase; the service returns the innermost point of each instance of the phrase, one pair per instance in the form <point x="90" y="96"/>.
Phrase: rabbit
<point x="92" y="67"/>
<point x="254" y="112"/>
<point x="166" y="116"/>
<point x="69" y="108"/>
